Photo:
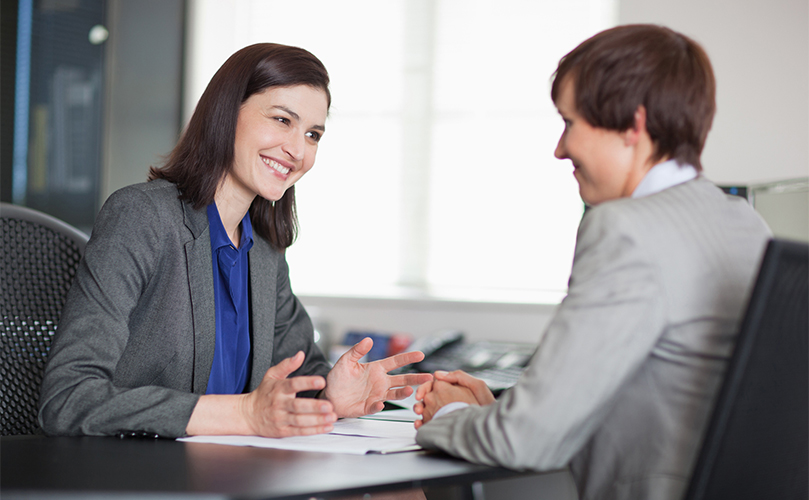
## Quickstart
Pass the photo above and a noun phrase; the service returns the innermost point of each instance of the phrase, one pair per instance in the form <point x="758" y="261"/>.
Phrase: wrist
<point x="244" y="411"/>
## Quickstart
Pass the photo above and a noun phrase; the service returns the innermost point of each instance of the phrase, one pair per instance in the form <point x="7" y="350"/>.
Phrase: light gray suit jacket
<point x="623" y="380"/>
<point x="135" y="342"/>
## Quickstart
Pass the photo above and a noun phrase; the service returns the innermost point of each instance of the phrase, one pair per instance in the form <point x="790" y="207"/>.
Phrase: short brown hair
<point x="622" y="68"/>
<point x="204" y="154"/>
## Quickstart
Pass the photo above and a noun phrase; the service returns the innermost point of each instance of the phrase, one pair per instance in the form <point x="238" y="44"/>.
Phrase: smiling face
<point x="605" y="161"/>
<point x="277" y="134"/>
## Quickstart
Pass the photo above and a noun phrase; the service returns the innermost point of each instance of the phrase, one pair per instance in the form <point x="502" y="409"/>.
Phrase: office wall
<point x="760" y="54"/>
<point x="480" y="321"/>
<point x="144" y="75"/>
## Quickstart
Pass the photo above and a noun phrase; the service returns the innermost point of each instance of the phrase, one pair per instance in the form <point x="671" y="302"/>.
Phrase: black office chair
<point x="40" y="256"/>
<point x="755" y="446"/>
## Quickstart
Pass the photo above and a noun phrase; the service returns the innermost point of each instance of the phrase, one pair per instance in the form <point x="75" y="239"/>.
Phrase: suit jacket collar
<point x="262" y="305"/>
<point x="203" y="307"/>
<point x="263" y="272"/>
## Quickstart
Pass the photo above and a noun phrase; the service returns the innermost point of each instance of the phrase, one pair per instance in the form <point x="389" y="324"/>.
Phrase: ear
<point x="633" y="135"/>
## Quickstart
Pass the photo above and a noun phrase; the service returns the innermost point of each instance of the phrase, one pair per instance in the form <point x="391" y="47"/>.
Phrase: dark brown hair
<point x="622" y="68"/>
<point x="204" y="154"/>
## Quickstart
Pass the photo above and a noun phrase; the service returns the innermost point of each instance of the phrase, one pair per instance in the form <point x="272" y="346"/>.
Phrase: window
<point x="436" y="176"/>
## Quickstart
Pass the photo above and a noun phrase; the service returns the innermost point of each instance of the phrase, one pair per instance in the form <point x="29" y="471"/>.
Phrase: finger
<point x="418" y="408"/>
<point x="427" y="414"/>
<point x="456" y="377"/>
<point x="311" y="420"/>
<point x="417" y="424"/>
<point x="375" y="407"/>
<point x="401" y="360"/>
<point x="477" y="386"/>
<point x="285" y="367"/>
<point x="409" y="379"/>
<point x="399" y="393"/>
<point x="290" y="431"/>
<point x="423" y="389"/>
<point x="461" y="378"/>
<point x="310" y="405"/>
<point x="305" y="383"/>
<point x="359" y="350"/>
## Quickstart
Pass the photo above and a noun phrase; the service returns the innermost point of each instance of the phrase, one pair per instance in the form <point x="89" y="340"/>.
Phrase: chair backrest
<point x="756" y="443"/>
<point x="40" y="256"/>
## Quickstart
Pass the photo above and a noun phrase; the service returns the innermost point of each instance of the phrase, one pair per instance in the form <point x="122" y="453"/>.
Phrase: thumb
<point x="359" y="350"/>
<point x="457" y="377"/>
<point x="285" y="367"/>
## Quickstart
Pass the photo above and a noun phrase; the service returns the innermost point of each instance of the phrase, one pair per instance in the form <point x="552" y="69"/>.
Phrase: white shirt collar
<point x="663" y="176"/>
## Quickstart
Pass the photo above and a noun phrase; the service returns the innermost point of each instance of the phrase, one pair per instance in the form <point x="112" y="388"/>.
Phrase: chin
<point x="273" y="195"/>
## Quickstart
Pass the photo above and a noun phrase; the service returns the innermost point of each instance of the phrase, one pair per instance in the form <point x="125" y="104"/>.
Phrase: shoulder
<point x="693" y="205"/>
<point x="158" y="194"/>
<point x="141" y="212"/>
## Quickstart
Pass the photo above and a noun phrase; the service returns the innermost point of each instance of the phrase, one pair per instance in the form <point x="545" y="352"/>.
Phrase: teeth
<point x="274" y="165"/>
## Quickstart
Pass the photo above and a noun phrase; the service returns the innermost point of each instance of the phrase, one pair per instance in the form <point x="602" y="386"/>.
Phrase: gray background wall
<point x="144" y="75"/>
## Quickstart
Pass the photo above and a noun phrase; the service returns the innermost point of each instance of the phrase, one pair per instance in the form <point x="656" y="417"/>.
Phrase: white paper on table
<point x="403" y="415"/>
<point x="350" y="435"/>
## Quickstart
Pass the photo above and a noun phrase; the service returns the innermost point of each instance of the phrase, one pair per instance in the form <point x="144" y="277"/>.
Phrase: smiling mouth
<point x="275" y="165"/>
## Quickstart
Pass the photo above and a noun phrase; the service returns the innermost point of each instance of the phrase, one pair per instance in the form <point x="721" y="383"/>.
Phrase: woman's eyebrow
<point x="288" y="111"/>
<point x="295" y="116"/>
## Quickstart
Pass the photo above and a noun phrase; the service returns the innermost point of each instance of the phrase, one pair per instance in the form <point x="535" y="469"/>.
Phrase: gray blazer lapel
<point x="200" y="281"/>
<point x="263" y="269"/>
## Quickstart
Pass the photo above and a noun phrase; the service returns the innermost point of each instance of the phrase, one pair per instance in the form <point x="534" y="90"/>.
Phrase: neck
<point x="642" y="161"/>
<point x="232" y="209"/>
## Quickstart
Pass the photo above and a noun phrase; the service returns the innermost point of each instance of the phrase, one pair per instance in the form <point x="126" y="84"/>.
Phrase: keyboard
<point x="499" y="364"/>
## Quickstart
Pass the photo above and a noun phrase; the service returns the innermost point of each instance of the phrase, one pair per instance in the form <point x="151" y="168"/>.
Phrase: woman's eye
<point x="315" y="136"/>
<point x="282" y="119"/>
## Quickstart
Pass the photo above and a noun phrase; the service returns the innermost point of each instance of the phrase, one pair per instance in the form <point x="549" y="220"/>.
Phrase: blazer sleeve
<point x="601" y="334"/>
<point x="78" y="394"/>
<point x="294" y="331"/>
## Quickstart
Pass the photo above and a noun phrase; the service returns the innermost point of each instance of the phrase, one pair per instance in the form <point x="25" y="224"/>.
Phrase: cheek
<point x="309" y="162"/>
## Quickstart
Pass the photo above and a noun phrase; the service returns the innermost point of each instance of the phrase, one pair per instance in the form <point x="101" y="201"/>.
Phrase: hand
<point x="433" y="395"/>
<point x="272" y="410"/>
<point x="357" y="389"/>
<point x="478" y="387"/>
<point x="438" y="394"/>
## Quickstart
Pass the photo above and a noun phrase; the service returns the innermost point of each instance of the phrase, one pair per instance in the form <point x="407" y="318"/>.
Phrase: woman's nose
<point x="294" y="146"/>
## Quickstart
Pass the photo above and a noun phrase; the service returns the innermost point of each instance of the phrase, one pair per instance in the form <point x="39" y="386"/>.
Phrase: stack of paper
<point x="383" y="432"/>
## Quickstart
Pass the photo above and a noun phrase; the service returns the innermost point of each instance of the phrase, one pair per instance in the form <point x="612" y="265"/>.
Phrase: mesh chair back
<point x="756" y="444"/>
<point x="40" y="256"/>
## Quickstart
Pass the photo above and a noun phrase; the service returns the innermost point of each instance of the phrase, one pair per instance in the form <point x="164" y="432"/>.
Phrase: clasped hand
<point x="457" y="386"/>
<point x="352" y="389"/>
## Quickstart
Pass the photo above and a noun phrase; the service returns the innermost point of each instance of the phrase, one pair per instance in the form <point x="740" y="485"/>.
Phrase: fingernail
<point x="441" y="373"/>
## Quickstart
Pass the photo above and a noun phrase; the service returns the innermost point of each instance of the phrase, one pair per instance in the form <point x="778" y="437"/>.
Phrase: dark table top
<point x="103" y="466"/>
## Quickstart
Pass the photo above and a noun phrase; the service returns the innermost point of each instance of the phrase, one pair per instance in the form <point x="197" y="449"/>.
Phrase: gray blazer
<point x="622" y="382"/>
<point x="135" y="342"/>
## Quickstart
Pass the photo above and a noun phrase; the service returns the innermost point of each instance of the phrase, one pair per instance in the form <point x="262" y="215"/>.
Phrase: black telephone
<point x="499" y="364"/>
<point x="434" y="343"/>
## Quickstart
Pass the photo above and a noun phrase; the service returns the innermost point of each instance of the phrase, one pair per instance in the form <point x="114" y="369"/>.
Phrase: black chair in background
<point x="755" y="446"/>
<point x="40" y="256"/>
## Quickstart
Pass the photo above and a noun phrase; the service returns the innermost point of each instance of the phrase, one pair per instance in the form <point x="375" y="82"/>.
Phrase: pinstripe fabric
<point x="622" y="382"/>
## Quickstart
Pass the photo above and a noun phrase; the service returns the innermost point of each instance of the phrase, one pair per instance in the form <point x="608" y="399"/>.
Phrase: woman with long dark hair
<point x="181" y="319"/>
